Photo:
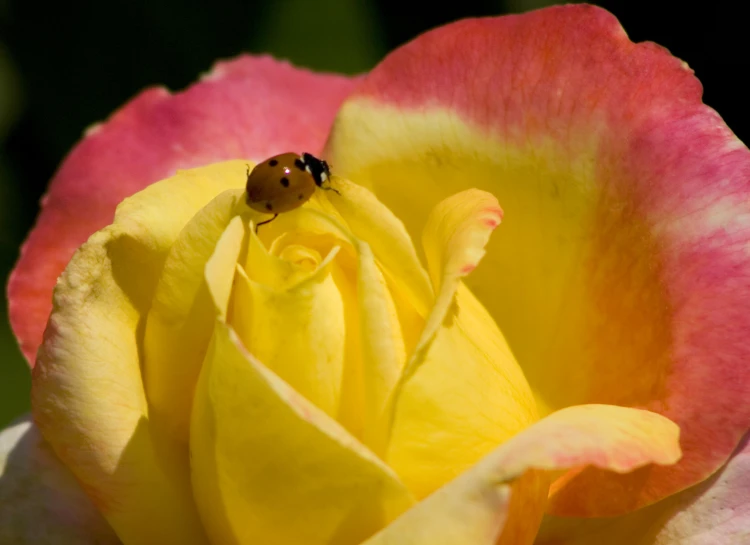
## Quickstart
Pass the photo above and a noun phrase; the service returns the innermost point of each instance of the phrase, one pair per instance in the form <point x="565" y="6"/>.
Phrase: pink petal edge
<point x="248" y="107"/>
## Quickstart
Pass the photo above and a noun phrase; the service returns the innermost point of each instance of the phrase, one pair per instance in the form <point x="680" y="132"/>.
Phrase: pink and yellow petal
<point x="40" y="500"/>
<point x="621" y="273"/>
<point x="501" y="499"/>
<point x="462" y="392"/>
<point x="263" y="455"/>
<point x="243" y="108"/>
<point x="454" y="240"/>
<point x="714" y="511"/>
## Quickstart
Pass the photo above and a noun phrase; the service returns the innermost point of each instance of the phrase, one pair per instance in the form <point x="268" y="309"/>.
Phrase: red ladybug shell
<point x="281" y="183"/>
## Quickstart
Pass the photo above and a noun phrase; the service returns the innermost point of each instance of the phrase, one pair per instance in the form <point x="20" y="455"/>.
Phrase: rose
<point x="635" y="242"/>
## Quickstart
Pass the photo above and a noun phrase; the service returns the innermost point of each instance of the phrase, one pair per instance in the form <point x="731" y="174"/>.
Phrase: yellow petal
<point x="88" y="396"/>
<point x="187" y="192"/>
<point x="382" y="344"/>
<point x="269" y="467"/>
<point x="371" y="375"/>
<point x="371" y="220"/>
<point x="297" y="332"/>
<point x="462" y="393"/>
<point x="179" y="324"/>
<point x="380" y="340"/>
<point x="221" y="265"/>
<point x="467" y="397"/>
<point x="495" y="502"/>
<point x="352" y="408"/>
<point x="407" y="282"/>
<point x="454" y="238"/>
<point x="457" y="231"/>
<point x="264" y="267"/>
<point x="468" y="511"/>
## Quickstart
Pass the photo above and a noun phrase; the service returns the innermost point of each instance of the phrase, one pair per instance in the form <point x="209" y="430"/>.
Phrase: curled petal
<point x="500" y="500"/>
<point x="180" y="319"/>
<point x="621" y="274"/>
<point x="462" y="392"/>
<point x="262" y="455"/>
<point x="40" y="500"/>
<point x="220" y="268"/>
<point x="241" y="108"/>
<point x="714" y="511"/>
<point x="456" y="233"/>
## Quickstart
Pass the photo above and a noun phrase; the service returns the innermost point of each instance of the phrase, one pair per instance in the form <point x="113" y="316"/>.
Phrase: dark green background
<point x="66" y="65"/>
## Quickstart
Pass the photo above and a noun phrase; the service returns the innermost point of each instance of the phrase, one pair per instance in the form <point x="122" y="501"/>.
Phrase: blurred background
<point x="66" y="65"/>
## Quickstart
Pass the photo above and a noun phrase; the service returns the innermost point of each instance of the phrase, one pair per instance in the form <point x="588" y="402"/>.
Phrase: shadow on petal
<point x="41" y="503"/>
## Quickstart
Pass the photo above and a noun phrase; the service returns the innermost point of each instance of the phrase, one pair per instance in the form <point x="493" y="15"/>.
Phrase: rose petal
<point x="40" y="500"/>
<point x="372" y="221"/>
<point x="297" y="332"/>
<point x="180" y="320"/>
<point x="87" y="389"/>
<point x="242" y="108"/>
<point x="271" y="270"/>
<point x="383" y="351"/>
<point x="454" y="238"/>
<point x="712" y="512"/>
<point x="621" y="275"/>
<point x="387" y="329"/>
<point x="462" y="392"/>
<point x="496" y="502"/>
<point x="263" y="456"/>
<point x="371" y="374"/>
<point x="220" y="267"/>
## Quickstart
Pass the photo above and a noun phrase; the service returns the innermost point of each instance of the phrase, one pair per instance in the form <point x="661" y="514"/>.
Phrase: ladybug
<point x="285" y="182"/>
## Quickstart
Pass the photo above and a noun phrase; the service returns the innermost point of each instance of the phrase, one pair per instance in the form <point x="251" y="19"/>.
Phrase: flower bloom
<point x="391" y="363"/>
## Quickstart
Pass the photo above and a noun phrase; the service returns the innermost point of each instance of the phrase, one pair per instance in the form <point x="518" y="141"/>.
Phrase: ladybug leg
<point x="264" y="222"/>
<point x="331" y="189"/>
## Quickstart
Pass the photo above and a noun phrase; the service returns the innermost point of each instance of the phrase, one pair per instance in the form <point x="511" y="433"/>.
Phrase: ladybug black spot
<point x="285" y="182"/>
<point x="273" y="162"/>
<point x="299" y="164"/>
<point x="269" y="206"/>
<point x="300" y="196"/>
